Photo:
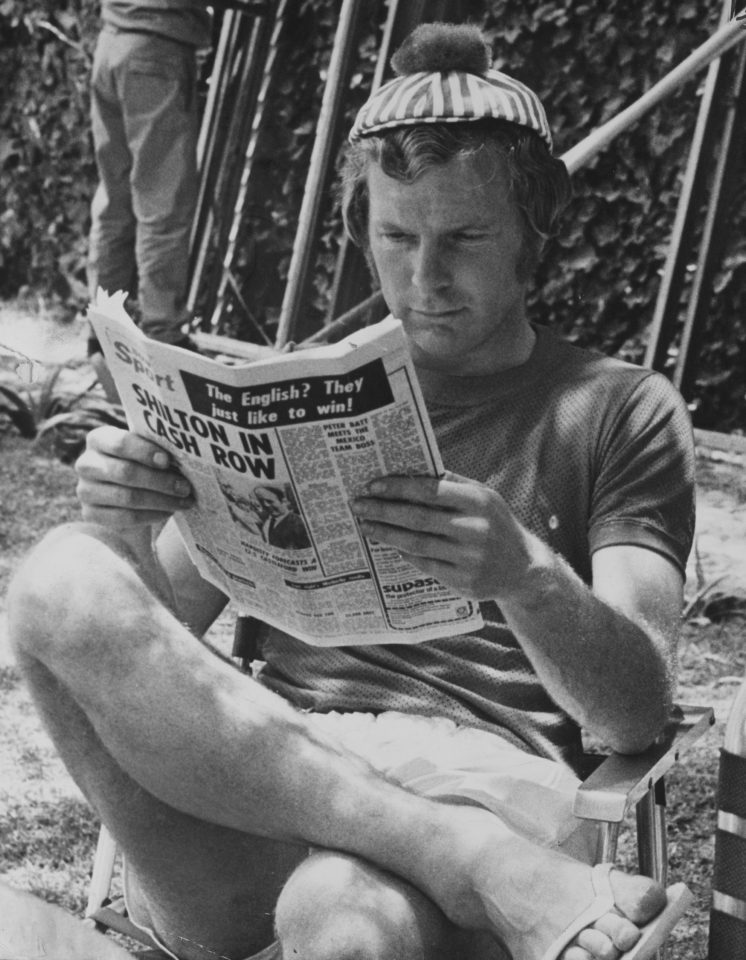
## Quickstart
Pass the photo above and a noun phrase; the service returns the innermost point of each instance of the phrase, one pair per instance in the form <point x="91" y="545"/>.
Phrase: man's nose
<point x="430" y="270"/>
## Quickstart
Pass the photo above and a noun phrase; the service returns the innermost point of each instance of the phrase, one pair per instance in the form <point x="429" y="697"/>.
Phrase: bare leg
<point x="204" y="889"/>
<point x="335" y="907"/>
<point x="207" y="741"/>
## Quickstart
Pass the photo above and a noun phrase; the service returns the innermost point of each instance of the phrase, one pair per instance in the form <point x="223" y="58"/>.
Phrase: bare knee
<point x="74" y="574"/>
<point x="336" y="907"/>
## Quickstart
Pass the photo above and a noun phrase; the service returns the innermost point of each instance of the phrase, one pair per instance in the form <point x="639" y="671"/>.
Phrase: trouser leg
<point x="161" y="121"/>
<point x="111" y="246"/>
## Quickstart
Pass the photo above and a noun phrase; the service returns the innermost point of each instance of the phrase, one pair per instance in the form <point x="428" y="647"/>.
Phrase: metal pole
<point x="239" y="202"/>
<point x="712" y="242"/>
<point x="351" y="274"/>
<point x="213" y="150"/>
<point x="320" y="158"/>
<point x="722" y="40"/>
<point x="693" y="190"/>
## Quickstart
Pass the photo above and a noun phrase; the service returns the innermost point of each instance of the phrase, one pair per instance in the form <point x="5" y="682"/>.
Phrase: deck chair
<point x="615" y="787"/>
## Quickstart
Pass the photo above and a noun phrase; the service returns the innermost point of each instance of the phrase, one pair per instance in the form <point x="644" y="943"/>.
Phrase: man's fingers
<point x="457" y="478"/>
<point x="129" y="497"/>
<point x="95" y="467"/>
<point x="119" y="457"/>
<point x="114" y="516"/>
<point x="430" y="504"/>
<point x="413" y="543"/>
<point x="125" y="480"/>
<point x="125" y="445"/>
<point x="409" y="516"/>
<point x="440" y="492"/>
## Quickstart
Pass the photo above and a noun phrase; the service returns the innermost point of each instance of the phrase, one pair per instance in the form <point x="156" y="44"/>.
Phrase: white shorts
<point x="435" y="757"/>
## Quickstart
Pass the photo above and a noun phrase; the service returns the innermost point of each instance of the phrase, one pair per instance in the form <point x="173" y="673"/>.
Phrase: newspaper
<point x="275" y="449"/>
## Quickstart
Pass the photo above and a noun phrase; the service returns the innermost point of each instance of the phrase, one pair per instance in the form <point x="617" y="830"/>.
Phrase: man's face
<point x="446" y="248"/>
<point x="273" y="505"/>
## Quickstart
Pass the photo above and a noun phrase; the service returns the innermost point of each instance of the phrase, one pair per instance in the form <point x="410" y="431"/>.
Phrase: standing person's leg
<point x="211" y="743"/>
<point x="111" y="242"/>
<point x="159" y="95"/>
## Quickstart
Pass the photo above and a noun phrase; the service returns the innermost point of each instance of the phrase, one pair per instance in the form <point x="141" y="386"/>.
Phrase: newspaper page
<point x="275" y="449"/>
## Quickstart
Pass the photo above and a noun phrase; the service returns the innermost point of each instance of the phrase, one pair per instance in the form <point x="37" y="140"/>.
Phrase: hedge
<point x="599" y="279"/>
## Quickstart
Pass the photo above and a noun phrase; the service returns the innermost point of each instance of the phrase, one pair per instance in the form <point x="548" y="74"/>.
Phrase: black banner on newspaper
<point x="296" y="401"/>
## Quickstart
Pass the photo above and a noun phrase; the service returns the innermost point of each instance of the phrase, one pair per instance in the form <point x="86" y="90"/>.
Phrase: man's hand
<point x="452" y="528"/>
<point x="125" y="481"/>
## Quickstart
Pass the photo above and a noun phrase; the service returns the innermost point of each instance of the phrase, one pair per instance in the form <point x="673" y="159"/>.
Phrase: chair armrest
<point x="622" y="780"/>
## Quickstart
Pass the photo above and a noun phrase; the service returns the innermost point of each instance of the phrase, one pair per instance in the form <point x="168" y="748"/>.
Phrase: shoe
<point x="654" y="933"/>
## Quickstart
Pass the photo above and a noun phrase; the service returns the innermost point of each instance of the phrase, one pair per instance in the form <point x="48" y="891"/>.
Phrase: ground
<point x="47" y="833"/>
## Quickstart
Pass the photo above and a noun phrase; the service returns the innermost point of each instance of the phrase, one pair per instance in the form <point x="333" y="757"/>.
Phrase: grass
<point x="47" y="831"/>
<point x="48" y="834"/>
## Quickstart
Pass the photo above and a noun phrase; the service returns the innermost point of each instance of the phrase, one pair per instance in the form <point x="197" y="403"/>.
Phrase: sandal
<point x="654" y="932"/>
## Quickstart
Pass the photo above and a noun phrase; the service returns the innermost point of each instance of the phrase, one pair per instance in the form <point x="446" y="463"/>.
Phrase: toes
<point x="622" y="933"/>
<point x="596" y="945"/>
<point x="637" y="897"/>
<point x="576" y="953"/>
<point x="609" y="937"/>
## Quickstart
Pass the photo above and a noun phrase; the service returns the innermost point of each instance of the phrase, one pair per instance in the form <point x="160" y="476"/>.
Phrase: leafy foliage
<point x="61" y="418"/>
<point x="600" y="277"/>
<point x="47" y="170"/>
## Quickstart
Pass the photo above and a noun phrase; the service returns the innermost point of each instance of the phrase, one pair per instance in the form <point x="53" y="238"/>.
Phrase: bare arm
<point x="197" y="603"/>
<point x="605" y="655"/>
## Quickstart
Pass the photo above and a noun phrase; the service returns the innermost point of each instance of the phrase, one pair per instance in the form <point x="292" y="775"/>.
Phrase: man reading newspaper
<point x="392" y="801"/>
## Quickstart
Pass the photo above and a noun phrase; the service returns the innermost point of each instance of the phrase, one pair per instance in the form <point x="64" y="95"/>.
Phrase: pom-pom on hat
<point x="444" y="76"/>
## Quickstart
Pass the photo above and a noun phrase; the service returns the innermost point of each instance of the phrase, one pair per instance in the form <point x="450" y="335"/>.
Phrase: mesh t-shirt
<point x="588" y="452"/>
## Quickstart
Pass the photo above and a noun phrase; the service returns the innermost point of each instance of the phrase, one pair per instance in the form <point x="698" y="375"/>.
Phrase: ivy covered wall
<point x="600" y="277"/>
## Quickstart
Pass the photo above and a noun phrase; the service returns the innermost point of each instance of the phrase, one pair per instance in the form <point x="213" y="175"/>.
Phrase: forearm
<point x="194" y="601"/>
<point x="605" y="656"/>
<point x="159" y="555"/>
<point x="141" y="545"/>
<point x="612" y="674"/>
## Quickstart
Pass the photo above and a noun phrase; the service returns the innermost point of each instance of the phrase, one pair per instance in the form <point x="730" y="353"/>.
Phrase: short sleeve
<point x="644" y="493"/>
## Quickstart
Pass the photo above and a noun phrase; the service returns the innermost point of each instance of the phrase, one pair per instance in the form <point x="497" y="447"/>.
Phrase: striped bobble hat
<point x="444" y="76"/>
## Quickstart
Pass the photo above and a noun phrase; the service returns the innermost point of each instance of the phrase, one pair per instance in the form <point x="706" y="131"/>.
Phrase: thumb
<point x="456" y="478"/>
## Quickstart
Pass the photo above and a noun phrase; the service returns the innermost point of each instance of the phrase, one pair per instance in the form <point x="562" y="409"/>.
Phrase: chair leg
<point x="652" y="846"/>
<point x="652" y="843"/>
<point x="608" y="838"/>
<point x="103" y="870"/>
